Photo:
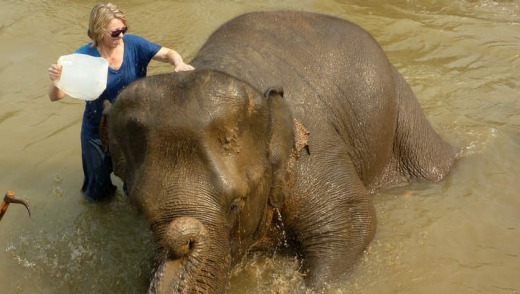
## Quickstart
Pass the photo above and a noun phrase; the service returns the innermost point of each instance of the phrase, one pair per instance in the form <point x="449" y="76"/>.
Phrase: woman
<point x="128" y="57"/>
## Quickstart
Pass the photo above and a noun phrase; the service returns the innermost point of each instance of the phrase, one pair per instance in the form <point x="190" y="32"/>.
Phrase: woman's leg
<point x="97" y="167"/>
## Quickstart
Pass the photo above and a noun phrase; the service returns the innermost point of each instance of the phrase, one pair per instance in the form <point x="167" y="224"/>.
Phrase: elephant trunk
<point x="195" y="261"/>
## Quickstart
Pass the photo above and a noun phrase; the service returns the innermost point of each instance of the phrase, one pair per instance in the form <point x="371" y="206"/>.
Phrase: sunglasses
<point x="116" y="33"/>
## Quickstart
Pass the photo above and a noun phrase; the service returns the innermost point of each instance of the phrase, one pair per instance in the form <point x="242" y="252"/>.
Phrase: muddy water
<point x="462" y="235"/>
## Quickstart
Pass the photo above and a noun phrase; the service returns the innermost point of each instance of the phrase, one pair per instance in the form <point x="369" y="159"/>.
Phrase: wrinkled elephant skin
<point x="287" y="112"/>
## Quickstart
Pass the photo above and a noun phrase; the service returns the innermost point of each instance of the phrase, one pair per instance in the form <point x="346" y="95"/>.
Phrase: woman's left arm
<point x="174" y="58"/>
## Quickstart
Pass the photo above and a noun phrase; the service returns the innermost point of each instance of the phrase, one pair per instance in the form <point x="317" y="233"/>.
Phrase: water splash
<point x="282" y="243"/>
<point x="478" y="141"/>
<point x="109" y="245"/>
<point x="267" y="274"/>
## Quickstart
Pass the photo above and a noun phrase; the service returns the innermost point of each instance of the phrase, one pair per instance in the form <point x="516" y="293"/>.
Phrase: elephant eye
<point x="236" y="205"/>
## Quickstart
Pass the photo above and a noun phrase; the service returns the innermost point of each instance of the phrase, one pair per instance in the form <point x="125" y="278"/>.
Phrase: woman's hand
<point x="183" y="67"/>
<point x="55" y="72"/>
<point x="174" y="58"/>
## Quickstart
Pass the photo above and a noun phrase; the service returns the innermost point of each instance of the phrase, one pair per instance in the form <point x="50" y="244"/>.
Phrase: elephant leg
<point x="419" y="151"/>
<point x="333" y="223"/>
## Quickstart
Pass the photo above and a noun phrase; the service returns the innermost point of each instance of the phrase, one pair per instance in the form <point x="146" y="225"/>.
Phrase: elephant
<point x="282" y="133"/>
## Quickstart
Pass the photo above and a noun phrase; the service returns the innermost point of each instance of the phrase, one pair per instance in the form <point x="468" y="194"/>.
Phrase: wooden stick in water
<point x="8" y="199"/>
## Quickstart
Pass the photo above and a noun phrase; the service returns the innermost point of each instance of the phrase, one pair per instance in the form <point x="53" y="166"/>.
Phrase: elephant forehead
<point x="187" y="99"/>
<point x="223" y="111"/>
<point x="227" y="99"/>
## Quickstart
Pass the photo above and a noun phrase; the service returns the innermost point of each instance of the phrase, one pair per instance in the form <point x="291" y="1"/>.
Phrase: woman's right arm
<point x="54" y="92"/>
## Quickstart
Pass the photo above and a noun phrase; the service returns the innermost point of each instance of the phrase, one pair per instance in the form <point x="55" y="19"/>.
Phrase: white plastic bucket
<point x="83" y="76"/>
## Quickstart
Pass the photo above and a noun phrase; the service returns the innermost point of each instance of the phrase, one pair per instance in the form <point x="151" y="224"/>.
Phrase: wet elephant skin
<point x="287" y="112"/>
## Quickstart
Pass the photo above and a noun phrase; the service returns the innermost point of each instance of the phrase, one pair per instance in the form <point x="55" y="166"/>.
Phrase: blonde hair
<point x="100" y="16"/>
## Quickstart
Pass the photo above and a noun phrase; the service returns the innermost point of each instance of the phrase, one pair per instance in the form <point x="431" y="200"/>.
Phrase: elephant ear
<point x="280" y="146"/>
<point x="103" y="126"/>
<point x="110" y="143"/>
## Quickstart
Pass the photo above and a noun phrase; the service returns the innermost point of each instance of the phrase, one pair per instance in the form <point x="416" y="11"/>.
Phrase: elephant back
<point x="336" y="78"/>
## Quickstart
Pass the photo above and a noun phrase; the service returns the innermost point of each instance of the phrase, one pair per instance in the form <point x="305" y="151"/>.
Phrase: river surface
<point x="462" y="235"/>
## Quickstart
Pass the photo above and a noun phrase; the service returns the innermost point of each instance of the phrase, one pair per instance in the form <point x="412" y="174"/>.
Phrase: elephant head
<point x="207" y="158"/>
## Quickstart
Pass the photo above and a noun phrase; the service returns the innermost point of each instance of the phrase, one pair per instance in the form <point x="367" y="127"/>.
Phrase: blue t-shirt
<point x="137" y="55"/>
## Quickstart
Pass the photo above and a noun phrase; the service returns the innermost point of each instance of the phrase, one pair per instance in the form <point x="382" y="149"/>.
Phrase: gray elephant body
<point x="209" y="159"/>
